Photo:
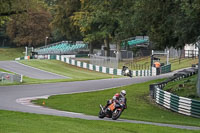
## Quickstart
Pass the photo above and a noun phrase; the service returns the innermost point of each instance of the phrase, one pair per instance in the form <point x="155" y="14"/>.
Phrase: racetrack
<point x="17" y="98"/>
<point x="28" y="71"/>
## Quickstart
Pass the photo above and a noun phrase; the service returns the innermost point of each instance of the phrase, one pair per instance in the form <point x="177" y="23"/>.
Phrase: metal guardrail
<point x="178" y="104"/>
<point x="173" y="102"/>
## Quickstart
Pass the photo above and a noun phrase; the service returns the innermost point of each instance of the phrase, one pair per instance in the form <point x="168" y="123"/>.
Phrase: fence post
<point x="152" y="89"/>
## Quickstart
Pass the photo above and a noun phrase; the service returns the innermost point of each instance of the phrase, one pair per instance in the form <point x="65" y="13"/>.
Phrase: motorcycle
<point x="113" y="111"/>
<point x="126" y="71"/>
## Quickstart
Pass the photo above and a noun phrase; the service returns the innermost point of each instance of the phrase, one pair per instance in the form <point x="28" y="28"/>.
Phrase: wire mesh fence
<point x="111" y="62"/>
<point x="10" y="78"/>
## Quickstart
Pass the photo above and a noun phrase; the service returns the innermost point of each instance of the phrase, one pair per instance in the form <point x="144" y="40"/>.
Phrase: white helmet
<point x="123" y="93"/>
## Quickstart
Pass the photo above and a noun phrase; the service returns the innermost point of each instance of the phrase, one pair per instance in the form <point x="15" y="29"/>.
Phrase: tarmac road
<point x="16" y="67"/>
<point x="17" y="98"/>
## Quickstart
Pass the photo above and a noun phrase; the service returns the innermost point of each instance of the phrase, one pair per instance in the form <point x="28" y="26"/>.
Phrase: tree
<point x="29" y="29"/>
<point x="170" y="22"/>
<point x="11" y="7"/>
<point x="89" y="19"/>
<point x="105" y="19"/>
<point x="61" y="21"/>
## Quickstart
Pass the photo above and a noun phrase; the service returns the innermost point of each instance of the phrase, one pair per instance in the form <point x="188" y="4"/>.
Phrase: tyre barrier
<point x="173" y="102"/>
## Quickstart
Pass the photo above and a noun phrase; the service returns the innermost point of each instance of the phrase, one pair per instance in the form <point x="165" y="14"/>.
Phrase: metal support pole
<point x="198" y="81"/>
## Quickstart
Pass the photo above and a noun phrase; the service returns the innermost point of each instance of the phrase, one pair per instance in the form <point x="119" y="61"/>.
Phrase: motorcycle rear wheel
<point x="116" y="114"/>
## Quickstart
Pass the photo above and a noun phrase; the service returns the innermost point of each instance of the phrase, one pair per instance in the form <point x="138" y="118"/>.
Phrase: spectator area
<point x="63" y="47"/>
<point x="136" y="42"/>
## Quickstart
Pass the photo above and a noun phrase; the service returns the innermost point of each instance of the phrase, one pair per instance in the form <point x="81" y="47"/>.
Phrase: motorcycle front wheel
<point x="101" y="114"/>
<point x="116" y="114"/>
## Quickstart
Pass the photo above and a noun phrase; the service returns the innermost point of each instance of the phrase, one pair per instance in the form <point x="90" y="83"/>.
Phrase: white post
<point x="21" y="78"/>
<point x="46" y="40"/>
<point x="26" y="52"/>
<point x="167" y="57"/>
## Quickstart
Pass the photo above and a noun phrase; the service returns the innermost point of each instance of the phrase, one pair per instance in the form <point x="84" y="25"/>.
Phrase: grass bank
<point x="11" y="53"/>
<point x="139" y="105"/>
<point x="61" y="68"/>
<point x="17" y="122"/>
<point x="185" y="87"/>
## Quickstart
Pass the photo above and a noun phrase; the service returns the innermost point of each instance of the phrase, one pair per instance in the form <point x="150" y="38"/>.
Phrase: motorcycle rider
<point x="118" y="98"/>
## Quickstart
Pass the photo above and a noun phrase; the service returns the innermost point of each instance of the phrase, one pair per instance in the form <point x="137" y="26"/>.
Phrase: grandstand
<point x="64" y="47"/>
<point x="138" y="41"/>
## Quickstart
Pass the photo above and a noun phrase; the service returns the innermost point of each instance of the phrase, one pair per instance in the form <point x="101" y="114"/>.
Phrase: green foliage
<point x="168" y="23"/>
<point x="31" y="28"/>
<point x="10" y="7"/>
<point x="63" y="11"/>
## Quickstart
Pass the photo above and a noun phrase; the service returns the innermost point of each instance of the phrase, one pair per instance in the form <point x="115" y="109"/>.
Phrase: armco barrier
<point x="102" y="68"/>
<point x="67" y="59"/>
<point x="178" y="104"/>
<point x="173" y="102"/>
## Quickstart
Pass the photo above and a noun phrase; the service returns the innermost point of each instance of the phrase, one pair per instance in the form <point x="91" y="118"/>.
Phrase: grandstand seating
<point x="61" y="48"/>
<point x="136" y="42"/>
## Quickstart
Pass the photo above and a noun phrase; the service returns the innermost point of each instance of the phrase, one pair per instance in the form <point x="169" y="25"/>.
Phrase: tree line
<point x="167" y="22"/>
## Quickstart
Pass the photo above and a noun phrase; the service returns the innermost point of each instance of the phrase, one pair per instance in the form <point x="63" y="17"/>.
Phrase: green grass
<point x="185" y="87"/>
<point x="144" y="63"/>
<point x="139" y="105"/>
<point x="58" y="67"/>
<point x="185" y="62"/>
<point x="11" y="53"/>
<point x="16" y="122"/>
<point x="2" y="70"/>
<point x="75" y="73"/>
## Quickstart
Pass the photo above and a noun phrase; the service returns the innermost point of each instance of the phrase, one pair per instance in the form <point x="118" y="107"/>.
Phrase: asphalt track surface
<point x="17" y="98"/>
<point x="16" y="67"/>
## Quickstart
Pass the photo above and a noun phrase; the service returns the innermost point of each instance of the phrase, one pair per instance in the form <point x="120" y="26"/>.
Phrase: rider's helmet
<point x="117" y="95"/>
<point x="123" y="93"/>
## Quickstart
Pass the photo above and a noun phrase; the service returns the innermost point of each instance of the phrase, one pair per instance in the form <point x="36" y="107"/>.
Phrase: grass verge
<point x="139" y="105"/>
<point x="17" y="122"/>
<point x="10" y="53"/>
<point x="65" y="69"/>
<point x="61" y="68"/>
<point x="185" y="87"/>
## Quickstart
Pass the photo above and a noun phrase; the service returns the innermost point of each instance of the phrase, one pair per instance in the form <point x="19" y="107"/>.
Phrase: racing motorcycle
<point x="126" y="71"/>
<point x="113" y="111"/>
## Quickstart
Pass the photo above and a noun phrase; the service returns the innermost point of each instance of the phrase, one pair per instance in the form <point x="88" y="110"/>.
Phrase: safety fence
<point x="89" y="66"/>
<point x="165" y="69"/>
<point x="103" y="69"/>
<point x="68" y="59"/>
<point x="173" y="102"/>
<point x="178" y="104"/>
<point x="10" y="78"/>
